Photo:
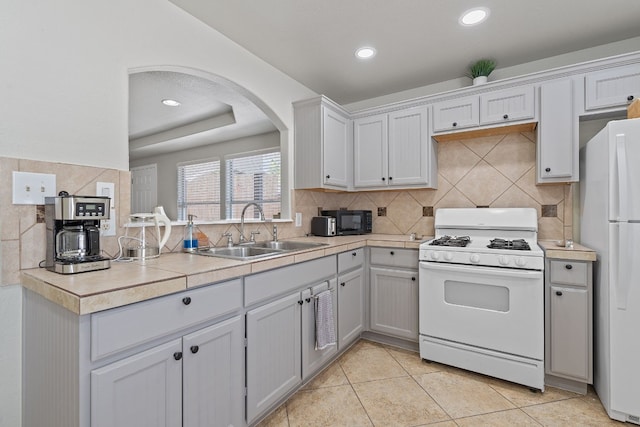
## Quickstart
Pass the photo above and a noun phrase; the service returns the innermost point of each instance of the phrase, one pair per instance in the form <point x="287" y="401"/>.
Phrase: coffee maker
<point x="73" y="233"/>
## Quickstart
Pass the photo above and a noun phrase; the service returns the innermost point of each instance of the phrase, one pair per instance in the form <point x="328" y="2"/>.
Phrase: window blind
<point x="199" y="190"/>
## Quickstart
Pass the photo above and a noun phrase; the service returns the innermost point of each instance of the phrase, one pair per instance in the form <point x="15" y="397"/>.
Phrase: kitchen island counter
<point x="130" y="282"/>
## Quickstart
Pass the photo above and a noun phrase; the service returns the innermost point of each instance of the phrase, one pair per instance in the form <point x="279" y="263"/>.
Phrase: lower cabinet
<point x="394" y="302"/>
<point x="273" y="353"/>
<point x="350" y="306"/>
<point x="192" y="381"/>
<point x="315" y="359"/>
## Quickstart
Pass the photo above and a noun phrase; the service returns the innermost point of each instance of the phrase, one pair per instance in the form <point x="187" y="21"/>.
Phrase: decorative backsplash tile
<point x="382" y="211"/>
<point x="549" y="211"/>
<point x="427" y="211"/>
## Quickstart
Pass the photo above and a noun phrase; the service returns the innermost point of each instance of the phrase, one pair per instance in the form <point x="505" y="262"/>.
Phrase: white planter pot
<point x="480" y="80"/>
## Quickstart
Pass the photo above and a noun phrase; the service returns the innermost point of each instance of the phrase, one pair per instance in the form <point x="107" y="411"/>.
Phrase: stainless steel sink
<point x="243" y="253"/>
<point x="289" y="245"/>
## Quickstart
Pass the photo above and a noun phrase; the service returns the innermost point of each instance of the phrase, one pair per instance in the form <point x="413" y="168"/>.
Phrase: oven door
<point x="492" y="308"/>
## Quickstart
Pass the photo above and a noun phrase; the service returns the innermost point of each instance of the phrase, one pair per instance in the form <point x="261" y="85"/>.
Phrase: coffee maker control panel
<point x="90" y="209"/>
<point x="79" y="207"/>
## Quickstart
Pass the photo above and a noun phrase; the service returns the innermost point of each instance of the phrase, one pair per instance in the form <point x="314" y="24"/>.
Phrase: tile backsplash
<point x="494" y="171"/>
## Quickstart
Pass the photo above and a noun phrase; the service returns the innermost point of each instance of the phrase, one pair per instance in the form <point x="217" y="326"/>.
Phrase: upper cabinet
<point x="323" y="145"/>
<point x="557" y="157"/>
<point x="490" y="108"/>
<point x="394" y="150"/>
<point x="614" y="87"/>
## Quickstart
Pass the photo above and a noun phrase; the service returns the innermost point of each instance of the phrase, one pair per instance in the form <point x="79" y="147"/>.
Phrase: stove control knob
<point x="435" y="255"/>
<point x="503" y="260"/>
<point x="448" y="256"/>
<point x="521" y="262"/>
<point x="474" y="258"/>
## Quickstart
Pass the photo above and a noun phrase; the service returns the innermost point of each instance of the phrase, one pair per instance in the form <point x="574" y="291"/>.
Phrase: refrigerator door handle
<point x="623" y="178"/>
<point x="624" y="265"/>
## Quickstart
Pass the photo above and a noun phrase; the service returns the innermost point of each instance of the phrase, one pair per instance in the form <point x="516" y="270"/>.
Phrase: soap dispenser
<point x="190" y="242"/>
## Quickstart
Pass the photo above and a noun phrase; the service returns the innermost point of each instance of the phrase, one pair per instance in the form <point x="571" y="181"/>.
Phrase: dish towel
<point x="325" y="330"/>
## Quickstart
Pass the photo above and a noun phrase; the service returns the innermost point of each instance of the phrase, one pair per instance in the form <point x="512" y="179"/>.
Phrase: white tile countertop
<point x="129" y="282"/>
<point x="577" y="253"/>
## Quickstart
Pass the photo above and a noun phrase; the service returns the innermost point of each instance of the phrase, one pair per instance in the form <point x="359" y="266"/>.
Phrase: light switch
<point x="31" y="188"/>
<point x="298" y="219"/>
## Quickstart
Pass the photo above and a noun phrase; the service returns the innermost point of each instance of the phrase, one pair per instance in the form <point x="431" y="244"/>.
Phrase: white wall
<point x="64" y="80"/>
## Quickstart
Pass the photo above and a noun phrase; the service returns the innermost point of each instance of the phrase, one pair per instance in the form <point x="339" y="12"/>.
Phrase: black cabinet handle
<point x="177" y="355"/>
<point x="194" y="349"/>
<point x="559" y="293"/>
<point x="186" y="300"/>
<point x="384" y="179"/>
<point x="568" y="266"/>
<point x="354" y="253"/>
<point x="455" y="124"/>
<point x="630" y="98"/>
<point x="392" y="253"/>
<point x="506" y="116"/>
<point x="308" y="300"/>
<point x="328" y="176"/>
<point x="547" y="170"/>
<point x="300" y="302"/>
<point x="413" y="279"/>
<point x="390" y="178"/>
<point x="342" y="284"/>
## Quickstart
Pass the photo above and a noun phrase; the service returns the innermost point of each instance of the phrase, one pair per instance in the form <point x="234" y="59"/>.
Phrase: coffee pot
<point x="77" y="241"/>
<point x="143" y="238"/>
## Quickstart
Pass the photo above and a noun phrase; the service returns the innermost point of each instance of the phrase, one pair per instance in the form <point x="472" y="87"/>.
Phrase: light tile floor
<point x="377" y="385"/>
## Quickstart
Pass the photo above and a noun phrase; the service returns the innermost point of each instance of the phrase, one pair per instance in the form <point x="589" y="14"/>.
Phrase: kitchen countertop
<point x="577" y="253"/>
<point x="129" y="282"/>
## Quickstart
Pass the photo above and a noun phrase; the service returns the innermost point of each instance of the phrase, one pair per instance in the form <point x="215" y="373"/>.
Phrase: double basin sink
<point x="258" y="250"/>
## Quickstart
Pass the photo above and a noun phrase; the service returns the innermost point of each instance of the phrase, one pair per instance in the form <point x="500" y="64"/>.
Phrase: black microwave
<point x="351" y="222"/>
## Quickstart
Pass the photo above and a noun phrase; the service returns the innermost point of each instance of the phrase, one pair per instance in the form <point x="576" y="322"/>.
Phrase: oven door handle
<point x="473" y="269"/>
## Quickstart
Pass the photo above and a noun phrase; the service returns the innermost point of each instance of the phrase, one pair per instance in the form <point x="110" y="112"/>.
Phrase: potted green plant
<point x="480" y="70"/>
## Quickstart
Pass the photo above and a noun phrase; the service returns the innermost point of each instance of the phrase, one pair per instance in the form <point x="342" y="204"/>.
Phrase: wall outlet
<point x="107" y="227"/>
<point x="298" y="219"/>
<point x="31" y="188"/>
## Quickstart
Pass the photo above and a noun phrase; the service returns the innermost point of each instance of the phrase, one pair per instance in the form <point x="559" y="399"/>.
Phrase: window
<point x="253" y="178"/>
<point x="199" y="190"/>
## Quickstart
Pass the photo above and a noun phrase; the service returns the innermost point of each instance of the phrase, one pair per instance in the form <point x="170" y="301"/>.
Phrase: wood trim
<point x="477" y="133"/>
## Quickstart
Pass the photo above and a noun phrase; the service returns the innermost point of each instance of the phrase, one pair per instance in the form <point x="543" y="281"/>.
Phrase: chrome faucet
<point x="242" y="238"/>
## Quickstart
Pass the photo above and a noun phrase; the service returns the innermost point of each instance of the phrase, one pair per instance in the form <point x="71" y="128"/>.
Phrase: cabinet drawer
<point x="615" y="87"/>
<point x="126" y="327"/>
<point x="350" y="260"/>
<point x="393" y="257"/>
<point x="568" y="273"/>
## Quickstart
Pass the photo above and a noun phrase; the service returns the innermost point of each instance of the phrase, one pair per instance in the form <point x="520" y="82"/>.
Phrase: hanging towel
<point x="325" y="330"/>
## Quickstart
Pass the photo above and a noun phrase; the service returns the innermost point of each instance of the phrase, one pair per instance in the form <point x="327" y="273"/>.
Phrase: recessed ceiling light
<point x="170" y="102"/>
<point x="474" y="16"/>
<point x="365" y="52"/>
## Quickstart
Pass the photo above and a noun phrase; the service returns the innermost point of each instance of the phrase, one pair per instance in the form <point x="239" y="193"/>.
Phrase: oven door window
<point x="477" y="295"/>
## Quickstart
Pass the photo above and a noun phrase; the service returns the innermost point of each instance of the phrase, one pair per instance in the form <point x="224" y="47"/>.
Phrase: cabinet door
<point x="213" y="384"/>
<point x="370" y="146"/>
<point x="144" y="390"/>
<point x="570" y="343"/>
<point x="394" y="302"/>
<point x="507" y="105"/>
<point x="612" y="88"/>
<point x="336" y="152"/>
<point x="557" y="136"/>
<point x="409" y="147"/>
<point x="273" y="353"/>
<point x="350" y="307"/>
<point x="456" y="114"/>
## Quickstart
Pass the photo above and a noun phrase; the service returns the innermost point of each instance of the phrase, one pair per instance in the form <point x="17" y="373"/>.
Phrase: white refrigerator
<point x="610" y="224"/>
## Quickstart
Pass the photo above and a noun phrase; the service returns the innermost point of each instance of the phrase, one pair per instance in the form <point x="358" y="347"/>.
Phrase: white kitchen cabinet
<point x="569" y="324"/>
<point x="273" y="353"/>
<point x="323" y="145"/>
<point x="394" y="292"/>
<point x="350" y="296"/>
<point x="558" y="144"/>
<point x="487" y="109"/>
<point x="614" y="87"/>
<point x="193" y="381"/>
<point x="313" y="360"/>
<point x="456" y="114"/>
<point x="394" y="150"/>
<point x="503" y="106"/>
<point x="142" y="390"/>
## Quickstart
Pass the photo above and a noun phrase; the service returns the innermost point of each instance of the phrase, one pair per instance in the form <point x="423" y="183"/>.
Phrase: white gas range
<point x="482" y="293"/>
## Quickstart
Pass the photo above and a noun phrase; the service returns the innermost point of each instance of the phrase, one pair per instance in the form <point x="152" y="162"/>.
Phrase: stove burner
<point x="518" y="244"/>
<point x="460" y="242"/>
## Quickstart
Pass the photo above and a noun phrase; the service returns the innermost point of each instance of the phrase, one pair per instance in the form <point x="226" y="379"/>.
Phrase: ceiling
<point x="419" y="42"/>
